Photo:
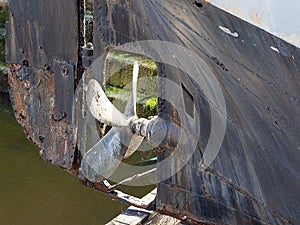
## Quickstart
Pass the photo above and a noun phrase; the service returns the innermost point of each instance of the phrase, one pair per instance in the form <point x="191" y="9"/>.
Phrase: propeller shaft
<point x="154" y="130"/>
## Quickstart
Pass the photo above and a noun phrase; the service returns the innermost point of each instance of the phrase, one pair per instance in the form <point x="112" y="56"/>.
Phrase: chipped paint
<point x="227" y="31"/>
<point x="275" y="49"/>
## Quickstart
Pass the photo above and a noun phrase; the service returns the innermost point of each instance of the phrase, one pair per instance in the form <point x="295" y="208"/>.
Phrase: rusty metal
<point x="253" y="180"/>
<point x="118" y="195"/>
<point x="34" y="101"/>
<point x="42" y="52"/>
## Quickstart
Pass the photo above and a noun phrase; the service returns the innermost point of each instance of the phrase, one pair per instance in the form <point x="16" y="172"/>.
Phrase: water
<point x="35" y="192"/>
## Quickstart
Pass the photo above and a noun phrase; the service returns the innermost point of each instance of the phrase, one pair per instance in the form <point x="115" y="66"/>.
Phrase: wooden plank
<point x="134" y="215"/>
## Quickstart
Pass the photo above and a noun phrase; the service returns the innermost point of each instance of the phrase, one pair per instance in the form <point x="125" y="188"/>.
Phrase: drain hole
<point x="198" y="4"/>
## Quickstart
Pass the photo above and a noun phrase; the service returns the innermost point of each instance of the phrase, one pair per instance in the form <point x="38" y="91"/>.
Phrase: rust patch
<point x="17" y="97"/>
<point x="186" y="219"/>
<point x="33" y="101"/>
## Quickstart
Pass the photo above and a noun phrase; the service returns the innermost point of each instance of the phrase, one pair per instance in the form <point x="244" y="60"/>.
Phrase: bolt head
<point x="65" y="70"/>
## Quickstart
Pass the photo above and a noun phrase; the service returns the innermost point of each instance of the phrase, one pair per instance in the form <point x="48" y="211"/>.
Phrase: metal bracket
<point x="64" y="89"/>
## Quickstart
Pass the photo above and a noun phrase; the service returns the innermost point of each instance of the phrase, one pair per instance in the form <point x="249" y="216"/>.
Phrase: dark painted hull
<point x="255" y="177"/>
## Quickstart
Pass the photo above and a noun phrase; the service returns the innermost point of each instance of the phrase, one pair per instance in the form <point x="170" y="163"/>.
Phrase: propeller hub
<point x="154" y="129"/>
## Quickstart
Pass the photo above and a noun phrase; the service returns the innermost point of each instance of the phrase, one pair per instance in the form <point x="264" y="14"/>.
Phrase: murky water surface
<point x="35" y="192"/>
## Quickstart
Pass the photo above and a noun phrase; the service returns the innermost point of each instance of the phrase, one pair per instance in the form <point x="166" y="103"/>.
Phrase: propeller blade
<point x="101" y="161"/>
<point x="134" y="144"/>
<point x="102" y="109"/>
<point x="130" y="109"/>
<point x="135" y="75"/>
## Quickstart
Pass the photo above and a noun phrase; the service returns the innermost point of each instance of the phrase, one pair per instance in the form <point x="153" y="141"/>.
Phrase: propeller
<point x="126" y="135"/>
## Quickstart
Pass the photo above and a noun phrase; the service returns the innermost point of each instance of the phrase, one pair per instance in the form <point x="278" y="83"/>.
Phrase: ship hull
<point x="254" y="179"/>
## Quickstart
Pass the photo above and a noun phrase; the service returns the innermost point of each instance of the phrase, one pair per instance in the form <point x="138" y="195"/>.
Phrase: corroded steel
<point x="42" y="52"/>
<point x="33" y="100"/>
<point x="255" y="177"/>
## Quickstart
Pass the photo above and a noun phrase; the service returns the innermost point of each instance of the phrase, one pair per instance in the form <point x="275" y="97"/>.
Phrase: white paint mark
<point x="227" y="31"/>
<point x="275" y="49"/>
